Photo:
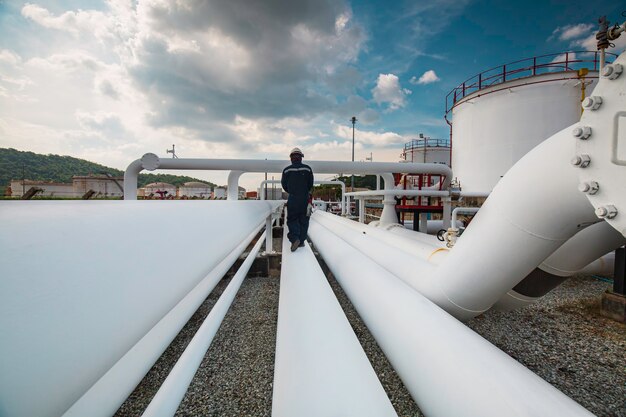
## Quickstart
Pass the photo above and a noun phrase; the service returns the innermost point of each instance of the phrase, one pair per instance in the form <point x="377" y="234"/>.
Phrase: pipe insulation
<point x="588" y="251"/>
<point x="68" y="313"/>
<point x="320" y="368"/>
<point x="168" y="397"/>
<point x="448" y="369"/>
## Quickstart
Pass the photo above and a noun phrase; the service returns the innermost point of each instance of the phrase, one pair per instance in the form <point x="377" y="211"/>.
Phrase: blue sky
<point x="110" y="80"/>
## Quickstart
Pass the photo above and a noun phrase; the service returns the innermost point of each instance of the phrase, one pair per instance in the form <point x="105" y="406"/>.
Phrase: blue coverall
<point x="297" y="180"/>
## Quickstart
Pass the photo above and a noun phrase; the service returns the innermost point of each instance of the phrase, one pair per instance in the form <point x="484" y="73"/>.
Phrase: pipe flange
<point x="150" y="161"/>
<point x="606" y="118"/>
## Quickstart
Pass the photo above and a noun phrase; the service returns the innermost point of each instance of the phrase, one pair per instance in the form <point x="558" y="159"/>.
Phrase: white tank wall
<point x="490" y="132"/>
<point x="430" y="155"/>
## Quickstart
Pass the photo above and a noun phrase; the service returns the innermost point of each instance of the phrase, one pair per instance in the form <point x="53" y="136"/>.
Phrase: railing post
<point x="503" y="73"/>
<point x="480" y="81"/>
<point x="269" y="238"/>
<point x="566" y="61"/>
<point x="463" y="88"/>
<point x="535" y="66"/>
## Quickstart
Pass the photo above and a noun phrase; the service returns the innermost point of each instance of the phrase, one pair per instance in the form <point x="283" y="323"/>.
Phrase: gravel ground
<point x="566" y="341"/>
<point x="563" y="339"/>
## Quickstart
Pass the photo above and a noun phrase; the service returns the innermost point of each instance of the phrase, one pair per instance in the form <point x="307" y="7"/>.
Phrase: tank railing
<point x="567" y="61"/>
<point x="426" y="143"/>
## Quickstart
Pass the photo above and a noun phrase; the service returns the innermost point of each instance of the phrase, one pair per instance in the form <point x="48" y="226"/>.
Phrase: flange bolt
<point x="582" y="132"/>
<point x="612" y="71"/>
<point x="581" y="161"/>
<point x="592" y="103"/>
<point x="590" y="187"/>
<point x="606" y="212"/>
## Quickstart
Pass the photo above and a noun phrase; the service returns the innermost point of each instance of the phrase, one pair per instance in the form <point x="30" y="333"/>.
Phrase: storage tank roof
<point x="160" y="185"/>
<point x="195" y="184"/>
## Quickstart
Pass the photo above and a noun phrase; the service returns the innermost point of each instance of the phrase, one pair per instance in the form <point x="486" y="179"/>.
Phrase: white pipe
<point x="396" y="192"/>
<point x="168" y="397"/>
<point x="604" y="265"/>
<point x="151" y="162"/>
<point x="432" y="226"/>
<point x="448" y="369"/>
<point x="65" y="322"/>
<point x="233" y="185"/>
<point x="464" y="284"/>
<point x="108" y="394"/>
<point x="583" y="253"/>
<point x="462" y="210"/>
<point x="321" y="368"/>
<point x="586" y="246"/>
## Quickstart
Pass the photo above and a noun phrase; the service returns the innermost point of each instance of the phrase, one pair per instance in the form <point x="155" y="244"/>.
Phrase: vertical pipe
<point x="233" y="185"/>
<point x="362" y="210"/>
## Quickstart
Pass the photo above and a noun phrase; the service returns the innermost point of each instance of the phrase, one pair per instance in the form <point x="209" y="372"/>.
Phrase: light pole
<point x="353" y="120"/>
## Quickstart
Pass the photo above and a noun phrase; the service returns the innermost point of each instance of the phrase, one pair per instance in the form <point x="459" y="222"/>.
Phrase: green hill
<point x="16" y="164"/>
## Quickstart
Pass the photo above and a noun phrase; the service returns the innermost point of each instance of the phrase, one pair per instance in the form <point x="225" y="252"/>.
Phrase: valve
<point x="451" y="236"/>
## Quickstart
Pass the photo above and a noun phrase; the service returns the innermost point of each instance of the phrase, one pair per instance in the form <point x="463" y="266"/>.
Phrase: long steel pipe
<point x="151" y="162"/>
<point x="108" y="394"/>
<point x="320" y="369"/>
<point x="171" y="393"/>
<point x="448" y="369"/>
<point x="65" y="322"/>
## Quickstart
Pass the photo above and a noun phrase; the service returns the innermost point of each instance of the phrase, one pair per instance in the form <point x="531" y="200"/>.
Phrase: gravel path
<point x="563" y="339"/>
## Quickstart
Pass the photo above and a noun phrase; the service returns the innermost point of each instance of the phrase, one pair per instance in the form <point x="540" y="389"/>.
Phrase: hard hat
<point x="296" y="151"/>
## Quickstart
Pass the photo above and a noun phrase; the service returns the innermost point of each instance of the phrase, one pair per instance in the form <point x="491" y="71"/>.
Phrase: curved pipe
<point x="463" y="283"/>
<point x="584" y="250"/>
<point x="462" y="210"/>
<point x="233" y="185"/>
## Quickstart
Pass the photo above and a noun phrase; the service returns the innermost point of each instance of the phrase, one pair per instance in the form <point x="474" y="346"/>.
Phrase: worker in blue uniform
<point x="297" y="180"/>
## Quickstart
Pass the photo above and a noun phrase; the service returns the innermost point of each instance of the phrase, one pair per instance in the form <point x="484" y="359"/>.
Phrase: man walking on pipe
<point x="297" y="180"/>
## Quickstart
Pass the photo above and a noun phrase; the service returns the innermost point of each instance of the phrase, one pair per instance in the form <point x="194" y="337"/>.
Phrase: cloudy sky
<point x="111" y="80"/>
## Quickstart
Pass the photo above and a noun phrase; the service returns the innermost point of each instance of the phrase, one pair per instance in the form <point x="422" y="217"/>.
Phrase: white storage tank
<point x="194" y="189"/>
<point x="160" y="190"/>
<point x="427" y="150"/>
<point x="501" y="114"/>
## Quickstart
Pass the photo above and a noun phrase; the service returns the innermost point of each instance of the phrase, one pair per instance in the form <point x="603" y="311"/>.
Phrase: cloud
<point x="427" y="78"/>
<point x="388" y="91"/>
<point x="380" y="139"/>
<point x="569" y="32"/>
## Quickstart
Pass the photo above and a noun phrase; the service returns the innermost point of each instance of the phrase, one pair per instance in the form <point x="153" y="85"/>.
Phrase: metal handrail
<point x="426" y="143"/>
<point x="522" y="68"/>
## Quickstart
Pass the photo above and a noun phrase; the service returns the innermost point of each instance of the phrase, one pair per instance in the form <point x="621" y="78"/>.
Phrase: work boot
<point x="301" y="245"/>
<point x="295" y="244"/>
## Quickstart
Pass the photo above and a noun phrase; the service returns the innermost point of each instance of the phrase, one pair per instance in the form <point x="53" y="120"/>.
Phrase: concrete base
<point x="614" y="306"/>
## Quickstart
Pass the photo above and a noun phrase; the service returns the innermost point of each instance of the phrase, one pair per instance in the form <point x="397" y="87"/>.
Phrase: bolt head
<point x="612" y="71"/>
<point x="590" y="187"/>
<point x="582" y="132"/>
<point x="592" y="102"/>
<point x="606" y="212"/>
<point x="581" y="161"/>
